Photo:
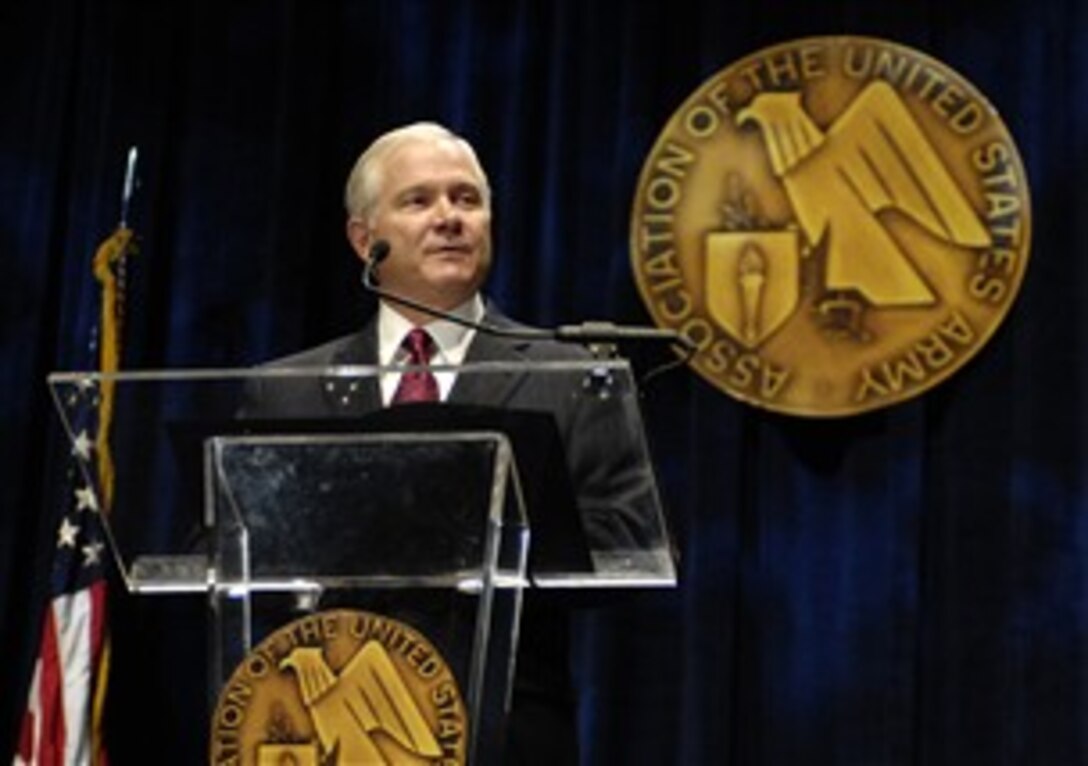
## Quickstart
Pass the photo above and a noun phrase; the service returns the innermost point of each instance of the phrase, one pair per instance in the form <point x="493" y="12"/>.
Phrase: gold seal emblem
<point x="838" y="224"/>
<point x="340" y="687"/>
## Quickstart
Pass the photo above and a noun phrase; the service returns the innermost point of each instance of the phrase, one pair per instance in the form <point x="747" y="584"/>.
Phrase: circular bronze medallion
<point x="837" y="223"/>
<point x="341" y="687"/>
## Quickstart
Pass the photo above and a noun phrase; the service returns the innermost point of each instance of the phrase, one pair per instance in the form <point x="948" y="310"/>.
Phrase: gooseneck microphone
<point x="589" y="333"/>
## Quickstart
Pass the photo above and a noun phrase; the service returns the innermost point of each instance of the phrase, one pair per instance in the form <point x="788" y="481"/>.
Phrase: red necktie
<point x="417" y="385"/>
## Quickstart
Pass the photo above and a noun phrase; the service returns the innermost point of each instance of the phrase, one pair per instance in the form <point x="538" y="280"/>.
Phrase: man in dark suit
<point x="421" y="190"/>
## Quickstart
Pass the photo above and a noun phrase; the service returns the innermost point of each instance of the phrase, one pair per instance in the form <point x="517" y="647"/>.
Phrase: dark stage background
<point x="908" y="586"/>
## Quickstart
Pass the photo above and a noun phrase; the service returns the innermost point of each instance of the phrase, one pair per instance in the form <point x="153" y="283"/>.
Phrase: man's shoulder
<point x="304" y="395"/>
<point x="557" y="351"/>
<point x="347" y="349"/>
<point x="542" y="349"/>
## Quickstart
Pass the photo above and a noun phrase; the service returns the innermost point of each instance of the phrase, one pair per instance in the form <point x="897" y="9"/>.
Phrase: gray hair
<point x="365" y="179"/>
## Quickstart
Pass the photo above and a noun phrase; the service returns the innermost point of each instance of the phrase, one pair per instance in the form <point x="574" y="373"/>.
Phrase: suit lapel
<point x="496" y="388"/>
<point x="349" y="394"/>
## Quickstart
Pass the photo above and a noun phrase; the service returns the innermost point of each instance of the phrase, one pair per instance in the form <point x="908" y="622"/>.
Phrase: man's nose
<point x="447" y="215"/>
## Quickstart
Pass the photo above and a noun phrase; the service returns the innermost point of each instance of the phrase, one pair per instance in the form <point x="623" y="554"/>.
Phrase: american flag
<point x="61" y="722"/>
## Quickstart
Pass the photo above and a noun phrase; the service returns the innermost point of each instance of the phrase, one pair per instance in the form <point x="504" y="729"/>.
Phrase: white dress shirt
<point x="451" y="344"/>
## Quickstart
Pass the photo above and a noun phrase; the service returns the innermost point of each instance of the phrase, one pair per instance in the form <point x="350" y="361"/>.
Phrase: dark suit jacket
<point x="613" y="492"/>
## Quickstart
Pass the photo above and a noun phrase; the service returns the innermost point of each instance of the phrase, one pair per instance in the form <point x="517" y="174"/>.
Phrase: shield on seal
<point x="753" y="282"/>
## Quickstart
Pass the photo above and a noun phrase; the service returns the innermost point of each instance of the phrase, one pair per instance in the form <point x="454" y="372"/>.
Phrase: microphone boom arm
<point x="593" y="333"/>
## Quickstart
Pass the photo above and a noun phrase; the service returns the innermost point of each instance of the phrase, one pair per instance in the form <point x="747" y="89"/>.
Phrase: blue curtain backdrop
<point x="908" y="586"/>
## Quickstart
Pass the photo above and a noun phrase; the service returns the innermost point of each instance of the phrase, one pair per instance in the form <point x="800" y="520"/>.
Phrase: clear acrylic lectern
<point x="283" y="491"/>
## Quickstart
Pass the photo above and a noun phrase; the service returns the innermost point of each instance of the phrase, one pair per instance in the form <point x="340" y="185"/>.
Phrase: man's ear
<point x="359" y="236"/>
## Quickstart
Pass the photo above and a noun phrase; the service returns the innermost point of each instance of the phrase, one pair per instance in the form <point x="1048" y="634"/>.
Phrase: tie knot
<point x="417" y="385"/>
<point x="419" y="344"/>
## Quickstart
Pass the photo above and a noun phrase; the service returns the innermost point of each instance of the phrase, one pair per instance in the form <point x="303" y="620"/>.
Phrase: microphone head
<point x="379" y="251"/>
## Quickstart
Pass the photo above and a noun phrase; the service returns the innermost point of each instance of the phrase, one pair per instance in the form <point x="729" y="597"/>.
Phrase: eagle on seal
<point x="368" y="696"/>
<point x="872" y="159"/>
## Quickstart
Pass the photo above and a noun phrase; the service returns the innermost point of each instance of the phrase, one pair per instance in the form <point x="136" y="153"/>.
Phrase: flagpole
<point x="109" y="266"/>
<point x="129" y="187"/>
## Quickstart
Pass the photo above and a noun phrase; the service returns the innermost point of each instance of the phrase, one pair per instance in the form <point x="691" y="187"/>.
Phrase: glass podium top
<point x="305" y="470"/>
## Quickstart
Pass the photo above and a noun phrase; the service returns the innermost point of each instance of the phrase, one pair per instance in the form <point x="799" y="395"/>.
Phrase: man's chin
<point x="454" y="276"/>
<point x="452" y="292"/>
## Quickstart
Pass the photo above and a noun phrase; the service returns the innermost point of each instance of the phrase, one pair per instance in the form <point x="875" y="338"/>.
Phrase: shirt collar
<point x="451" y="339"/>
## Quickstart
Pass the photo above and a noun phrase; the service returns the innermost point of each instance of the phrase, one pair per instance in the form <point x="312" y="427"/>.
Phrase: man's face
<point x="432" y="211"/>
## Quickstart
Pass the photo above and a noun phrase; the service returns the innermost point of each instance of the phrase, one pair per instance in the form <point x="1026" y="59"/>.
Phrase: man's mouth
<point x="450" y="249"/>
